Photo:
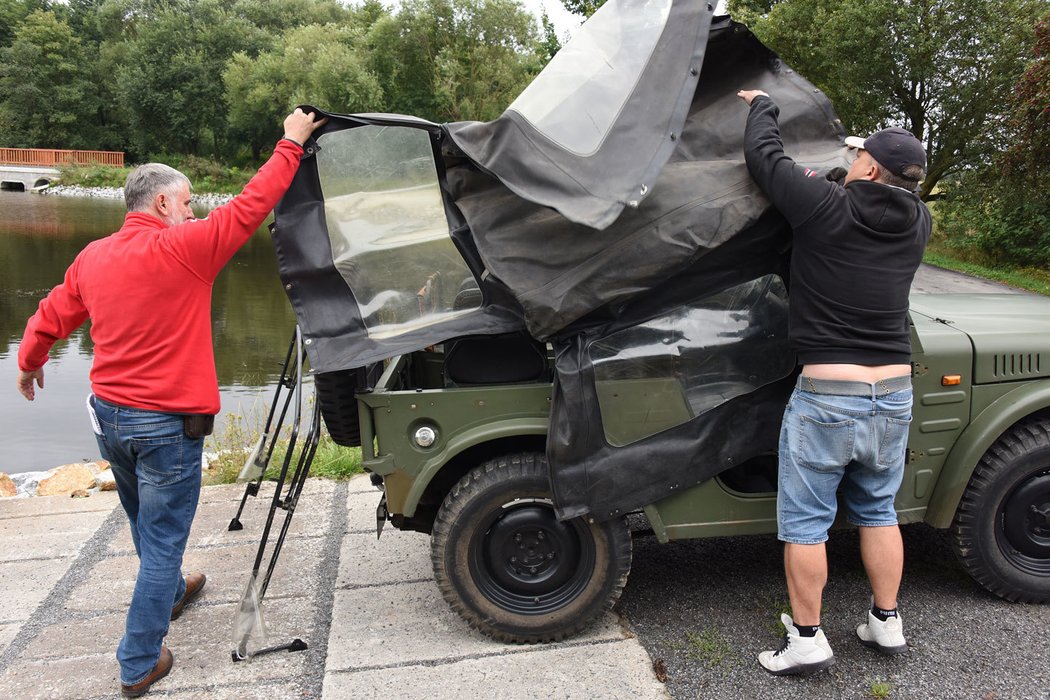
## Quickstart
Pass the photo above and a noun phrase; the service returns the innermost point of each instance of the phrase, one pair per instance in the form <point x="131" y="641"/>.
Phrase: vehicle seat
<point x="495" y="359"/>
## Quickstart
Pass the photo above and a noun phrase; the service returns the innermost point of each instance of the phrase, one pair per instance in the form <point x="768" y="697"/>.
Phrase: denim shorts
<point x="850" y="444"/>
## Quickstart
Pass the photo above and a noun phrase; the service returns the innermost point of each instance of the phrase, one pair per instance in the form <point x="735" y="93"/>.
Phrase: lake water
<point x="39" y="237"/>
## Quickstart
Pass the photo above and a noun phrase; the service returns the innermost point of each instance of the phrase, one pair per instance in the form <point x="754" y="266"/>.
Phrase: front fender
<point x="489" y="432"/>
<point x="975" y="441"/>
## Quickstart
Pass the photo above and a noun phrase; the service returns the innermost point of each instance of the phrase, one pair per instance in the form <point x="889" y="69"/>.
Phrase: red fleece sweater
<point x="147" y="289"/>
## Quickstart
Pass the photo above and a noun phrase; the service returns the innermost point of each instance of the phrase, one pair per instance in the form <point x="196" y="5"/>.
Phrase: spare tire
<point x="336" y="397"/>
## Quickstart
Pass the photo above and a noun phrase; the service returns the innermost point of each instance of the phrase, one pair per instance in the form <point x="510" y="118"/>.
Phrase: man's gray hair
<point x="148" y="180"/>
<point x="909" y="178"/>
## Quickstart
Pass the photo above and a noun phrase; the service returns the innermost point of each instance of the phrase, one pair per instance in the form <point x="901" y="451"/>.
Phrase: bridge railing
<point x="51" y="157"/>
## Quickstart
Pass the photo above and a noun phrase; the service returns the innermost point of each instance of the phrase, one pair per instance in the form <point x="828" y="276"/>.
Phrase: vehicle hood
<point x="1010" y="332"/>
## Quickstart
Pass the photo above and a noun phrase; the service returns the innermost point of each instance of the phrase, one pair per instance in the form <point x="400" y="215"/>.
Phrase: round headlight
<point x="425" y="436"/>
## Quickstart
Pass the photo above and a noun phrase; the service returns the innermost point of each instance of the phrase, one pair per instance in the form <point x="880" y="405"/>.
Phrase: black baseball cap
<point x="893" y="148"/>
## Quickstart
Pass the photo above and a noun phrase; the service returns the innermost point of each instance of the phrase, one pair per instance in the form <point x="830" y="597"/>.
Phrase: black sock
<point x="881" y="614"/>
<point x="807" y="630"/>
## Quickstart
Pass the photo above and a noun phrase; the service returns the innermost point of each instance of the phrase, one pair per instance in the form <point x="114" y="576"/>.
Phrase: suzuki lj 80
<point x="538" y="326"/>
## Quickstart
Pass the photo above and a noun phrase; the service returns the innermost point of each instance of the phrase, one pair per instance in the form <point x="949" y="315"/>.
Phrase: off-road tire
<point x="335" y="396"/>
<point x="1001" y="531"/>
<point x="568" y="573"/>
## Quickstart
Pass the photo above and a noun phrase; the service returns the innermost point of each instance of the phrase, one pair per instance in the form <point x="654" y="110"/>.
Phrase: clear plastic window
<point x="390" y="239"/>
<point x="664" y="372"/>
<point x="578" y="95"/>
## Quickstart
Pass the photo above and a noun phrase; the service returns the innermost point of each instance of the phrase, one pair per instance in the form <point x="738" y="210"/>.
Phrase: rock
<point x="106" y="480"/>
<point x="7" y="487"/>
<point x="66" y="479"/>
<point x="27" y="482"/>
<point x="98" y="466"/>
<point x="80" y="493"/>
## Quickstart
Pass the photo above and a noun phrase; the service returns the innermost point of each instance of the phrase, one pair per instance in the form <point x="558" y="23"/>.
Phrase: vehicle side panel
<point x="940" y="414"/>
<point x="460" y="417"/>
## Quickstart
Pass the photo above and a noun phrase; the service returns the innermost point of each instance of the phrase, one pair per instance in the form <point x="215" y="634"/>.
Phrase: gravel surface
<point x="704" y="609"/>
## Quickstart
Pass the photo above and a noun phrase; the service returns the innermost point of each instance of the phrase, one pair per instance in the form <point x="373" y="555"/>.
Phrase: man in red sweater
<point x="147" y="290"/>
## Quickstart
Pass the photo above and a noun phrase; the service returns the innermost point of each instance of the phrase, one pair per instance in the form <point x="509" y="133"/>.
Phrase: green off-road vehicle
<point x="537" y="326"/>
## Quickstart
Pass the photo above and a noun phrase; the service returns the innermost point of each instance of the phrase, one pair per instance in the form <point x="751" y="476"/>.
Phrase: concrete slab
<point x="79" y="677"/>
<point x="55" y="505"/>
<point x="111" y="582"/>
<point x="411" y="623"/>
<point x="201" y="641"/>
<point x="71" y="638"/>
<point x="8" y="634"/>
<point x="361" y="512"/>
<point x="232" y="493"/>
<point x="202" y="644"/>
<point x="389" y="632"/>
<point x="249" y="691"/>
<point x="211" y="524"/>
<point x="397" y="557"/>
<point x="362" y="483"/>
<point x="57" y="535"/>
<point x="24" y="584"/>
<point x="584" y="672"/>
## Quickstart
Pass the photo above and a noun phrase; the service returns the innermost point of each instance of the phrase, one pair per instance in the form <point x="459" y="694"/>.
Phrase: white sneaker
<point x="885" y="637"/>
<point x="801" y="655"/>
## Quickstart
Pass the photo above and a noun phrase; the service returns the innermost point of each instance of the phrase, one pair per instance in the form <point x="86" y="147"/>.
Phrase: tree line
<point x="212" y="78"/>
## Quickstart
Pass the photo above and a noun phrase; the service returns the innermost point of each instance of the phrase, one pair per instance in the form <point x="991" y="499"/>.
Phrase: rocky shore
<point x="205" y="198"/>
<point x="79" y="479"/>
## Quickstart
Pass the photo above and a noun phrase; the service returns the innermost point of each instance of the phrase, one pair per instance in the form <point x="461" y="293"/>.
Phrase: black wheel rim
<point x="1024" y="524"/>
<point x="528" y="562"/>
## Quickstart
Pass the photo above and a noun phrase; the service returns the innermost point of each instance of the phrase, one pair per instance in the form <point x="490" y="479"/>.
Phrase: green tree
<point x="582" y="7"/>
<point x="454" y="59"/>
<point x="314" y="64"/>
<point x="170" y="85"/>
<point x="550" y="44"/>
<point x="942" y="69"/>
<point x="1002" y="211"/>
<point x="47" y="95"/>
<point x="13" y="13"/>
<point x="279" y="16"/>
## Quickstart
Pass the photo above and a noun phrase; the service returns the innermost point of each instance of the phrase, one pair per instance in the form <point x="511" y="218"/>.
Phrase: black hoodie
<point x="855" y="252"/>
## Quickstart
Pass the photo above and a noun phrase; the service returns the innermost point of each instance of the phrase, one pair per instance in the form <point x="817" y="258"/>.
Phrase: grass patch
<point x="708" y="647"/>
<point x="206" y="176"/>
<point x="93" y="175"/>
<point x="1030" y="278"/>
<point x="331" y="461"/>
<point x="233" y="446"/>
<point x="880" y="689"/>
<point x="778" y="607"/>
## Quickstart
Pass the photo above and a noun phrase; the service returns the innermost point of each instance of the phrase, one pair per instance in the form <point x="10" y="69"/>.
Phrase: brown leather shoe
<point x="194" y="586"/>
<point x="162" y="669"/>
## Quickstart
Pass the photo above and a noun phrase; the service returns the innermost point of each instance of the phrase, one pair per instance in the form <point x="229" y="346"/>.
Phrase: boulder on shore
<point x="66" y="479"/>
<point x="7" y="487"/>
<point x="106" y="481"/>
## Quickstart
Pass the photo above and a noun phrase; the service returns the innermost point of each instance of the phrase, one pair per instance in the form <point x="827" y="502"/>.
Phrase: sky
<point x="565" y="23"/>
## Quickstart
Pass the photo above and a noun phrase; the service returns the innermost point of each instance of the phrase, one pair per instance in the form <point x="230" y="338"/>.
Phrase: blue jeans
<point x="158" y="475"/>
<point x="829" y="443"/>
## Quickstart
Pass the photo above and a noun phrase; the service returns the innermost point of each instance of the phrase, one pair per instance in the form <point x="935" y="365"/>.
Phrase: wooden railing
<point x="50" y="157"/>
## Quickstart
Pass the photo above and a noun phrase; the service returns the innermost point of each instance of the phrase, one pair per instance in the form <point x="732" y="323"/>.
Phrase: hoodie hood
<point x="885" y="208"/>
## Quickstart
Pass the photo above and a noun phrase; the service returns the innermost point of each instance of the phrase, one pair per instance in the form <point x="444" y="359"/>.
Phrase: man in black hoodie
<point x="854" y="254"/>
